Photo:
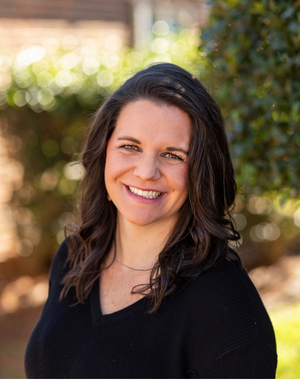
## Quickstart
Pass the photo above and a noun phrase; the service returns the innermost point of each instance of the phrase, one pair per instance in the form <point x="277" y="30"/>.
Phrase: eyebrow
<point x="169" y="148"/>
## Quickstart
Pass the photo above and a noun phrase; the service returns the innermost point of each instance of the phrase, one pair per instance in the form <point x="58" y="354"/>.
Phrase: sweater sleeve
<point x="253" y="360"/>
<point x="35" y="358"/>
<point x="230" y="333"/>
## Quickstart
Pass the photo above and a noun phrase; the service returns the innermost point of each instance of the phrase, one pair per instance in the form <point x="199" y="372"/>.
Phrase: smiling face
<point x="146" y="170"/>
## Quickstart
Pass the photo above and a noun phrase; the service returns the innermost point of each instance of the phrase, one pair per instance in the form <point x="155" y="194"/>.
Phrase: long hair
<point x="199" y="240"/>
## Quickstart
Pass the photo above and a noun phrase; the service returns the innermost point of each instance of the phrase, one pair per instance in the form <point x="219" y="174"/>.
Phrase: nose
<point x="147" y="168"/>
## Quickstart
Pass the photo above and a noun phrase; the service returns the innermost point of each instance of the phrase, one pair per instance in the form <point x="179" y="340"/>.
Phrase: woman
<point x="147" y="286"/>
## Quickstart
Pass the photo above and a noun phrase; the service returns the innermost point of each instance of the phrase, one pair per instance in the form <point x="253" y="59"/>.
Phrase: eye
<point x="174" y="156"/>
<point x="129" y="147"/>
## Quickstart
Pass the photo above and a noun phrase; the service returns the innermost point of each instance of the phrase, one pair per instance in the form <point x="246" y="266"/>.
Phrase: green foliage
<point x="286" y="324"/>
<point x="47" y="95"/>
<point x="254" y="63"/>
<point x="43" y="77"/>
<point x="247" y="59"/>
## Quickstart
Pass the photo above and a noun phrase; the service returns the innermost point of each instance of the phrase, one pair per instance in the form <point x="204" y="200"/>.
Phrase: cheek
<point x="179" y="178"/>
<point x="116" y="164"/>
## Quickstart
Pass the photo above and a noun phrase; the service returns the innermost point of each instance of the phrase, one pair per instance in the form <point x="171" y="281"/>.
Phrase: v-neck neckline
<point x="99" y="318"/>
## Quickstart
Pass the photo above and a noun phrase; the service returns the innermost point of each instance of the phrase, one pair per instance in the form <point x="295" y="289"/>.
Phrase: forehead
<point x="159" y="123"/>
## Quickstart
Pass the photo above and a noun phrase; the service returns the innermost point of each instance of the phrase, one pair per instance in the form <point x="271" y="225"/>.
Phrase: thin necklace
<point x="141" y="270"/>
<point x="131" y="267"/>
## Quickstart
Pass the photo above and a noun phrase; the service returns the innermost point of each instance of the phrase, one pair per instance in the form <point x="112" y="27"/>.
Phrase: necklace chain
<point x="131" y="267"/>
<point x="141" y="270"/>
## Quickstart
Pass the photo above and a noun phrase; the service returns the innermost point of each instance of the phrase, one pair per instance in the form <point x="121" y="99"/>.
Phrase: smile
<point x="144" y="194"/>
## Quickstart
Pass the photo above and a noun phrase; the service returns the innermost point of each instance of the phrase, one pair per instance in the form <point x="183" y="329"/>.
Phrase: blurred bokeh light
<point x="49" y="88"/>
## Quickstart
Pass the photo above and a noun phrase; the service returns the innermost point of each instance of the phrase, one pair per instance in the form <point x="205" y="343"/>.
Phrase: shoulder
<point x="225" y="287"/>
<point x="228" y="325"/>
<point x="226" y="303"/>
<point x="227" y="331"/>
<point x="58" y="266"/>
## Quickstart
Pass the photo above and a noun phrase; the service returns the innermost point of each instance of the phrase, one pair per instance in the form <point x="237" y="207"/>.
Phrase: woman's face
<point x="146" y="171"/>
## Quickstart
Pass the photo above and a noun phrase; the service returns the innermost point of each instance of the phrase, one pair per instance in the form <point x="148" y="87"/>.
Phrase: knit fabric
<point x="215" y="327"/>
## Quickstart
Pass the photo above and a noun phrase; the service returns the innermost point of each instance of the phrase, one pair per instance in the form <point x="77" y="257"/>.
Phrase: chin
<point x="140" y="219"/>
<point x="142" y="222"/>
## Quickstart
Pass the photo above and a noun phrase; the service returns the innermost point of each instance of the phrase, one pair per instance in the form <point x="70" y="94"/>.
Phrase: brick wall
<point x="34" y="21"/>
<point x="14" y="33"/>
<point x="70" y="10"/>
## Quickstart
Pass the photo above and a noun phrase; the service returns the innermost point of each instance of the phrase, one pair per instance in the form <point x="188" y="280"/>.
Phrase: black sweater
<point x="216" y="327"/>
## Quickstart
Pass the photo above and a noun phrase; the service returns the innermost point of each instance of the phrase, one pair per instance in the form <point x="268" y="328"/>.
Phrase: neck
<point x="139" y="246"/>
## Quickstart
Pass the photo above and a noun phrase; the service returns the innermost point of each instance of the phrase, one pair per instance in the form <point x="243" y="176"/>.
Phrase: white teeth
<point x="145" y="194"/>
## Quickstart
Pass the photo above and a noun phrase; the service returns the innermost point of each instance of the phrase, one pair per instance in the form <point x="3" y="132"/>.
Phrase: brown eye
<point x="130" y="147"/>
<point x="173" y="156"/>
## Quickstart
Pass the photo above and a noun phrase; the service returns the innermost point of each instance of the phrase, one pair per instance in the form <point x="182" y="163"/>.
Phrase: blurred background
<point x="58" y="62"/>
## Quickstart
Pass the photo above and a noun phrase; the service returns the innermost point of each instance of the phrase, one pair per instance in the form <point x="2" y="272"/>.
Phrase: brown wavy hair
<point x="199" y="241"/>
